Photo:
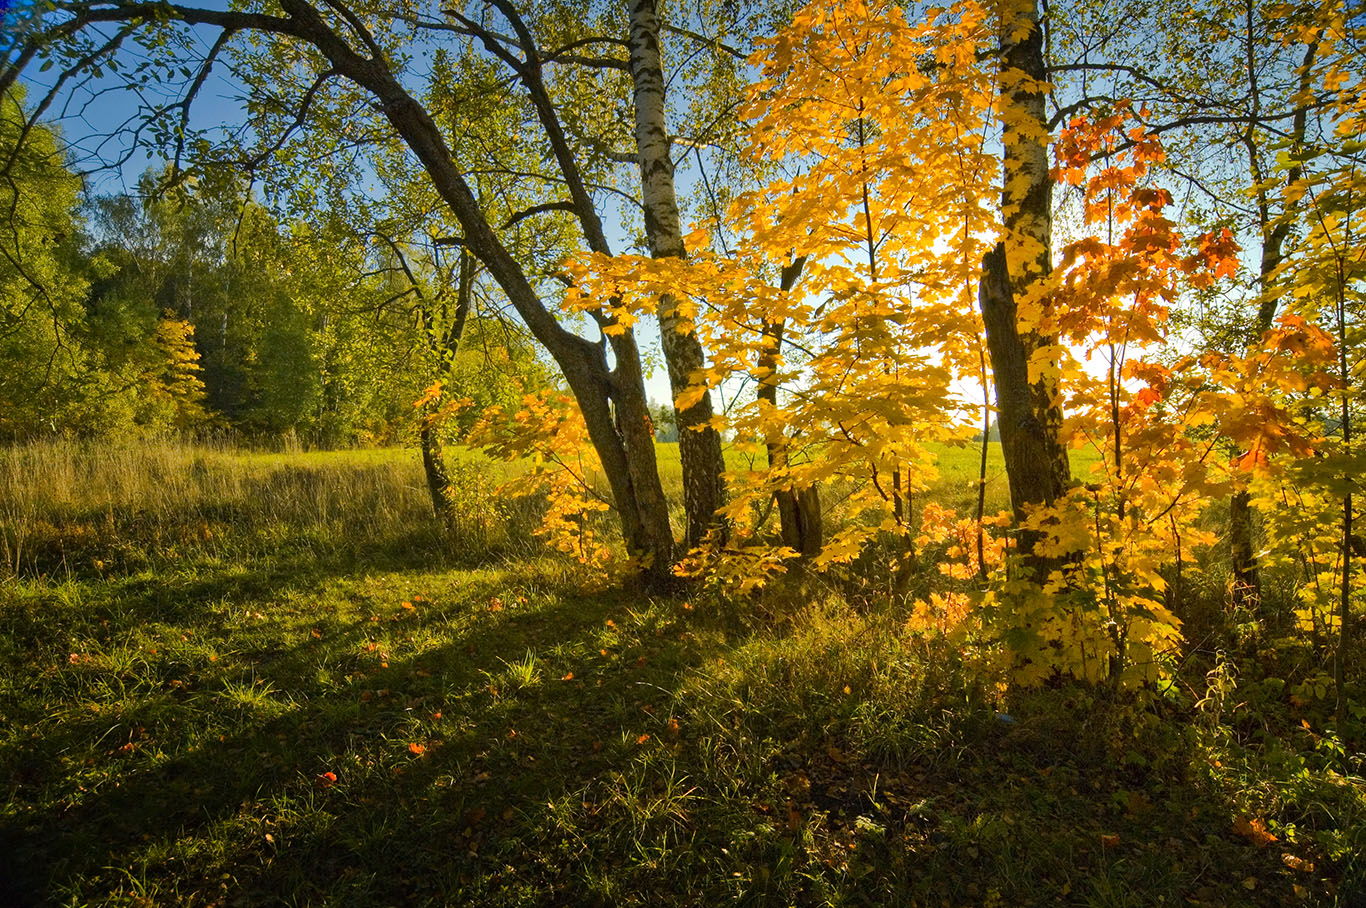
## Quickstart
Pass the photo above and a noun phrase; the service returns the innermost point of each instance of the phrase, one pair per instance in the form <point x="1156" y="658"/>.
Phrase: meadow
<point x="237" y="678"/>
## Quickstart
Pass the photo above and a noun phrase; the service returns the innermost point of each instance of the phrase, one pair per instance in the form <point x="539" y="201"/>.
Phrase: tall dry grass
<point x="82" y="506"/>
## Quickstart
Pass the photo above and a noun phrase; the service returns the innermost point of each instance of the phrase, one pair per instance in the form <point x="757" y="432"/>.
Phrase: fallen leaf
<point x="417" y="748"/>
<point x="642" y="739"/>
<point x="1295" y="862"/>
<point x="568" y="676"/>
<point x="317" y="634"/>
<point x="407" y="605"/>
<point x="1108" y="841"/>
<point x="673" y="727"/>
<point x="325" y="780"/>
<point x="1254" y="830"/>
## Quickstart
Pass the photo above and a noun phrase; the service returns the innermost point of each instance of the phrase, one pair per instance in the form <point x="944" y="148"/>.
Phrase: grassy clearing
<point x="326" y="702"/>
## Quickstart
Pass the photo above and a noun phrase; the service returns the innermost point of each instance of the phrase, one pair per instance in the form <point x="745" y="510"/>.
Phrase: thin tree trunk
<point x="446" y="347"/>
<point x="1348" y="541"/>
<point x="1030" y="416"/>
<point x="699" y="444"/>
<point x="1247" y="582"/>
<point x="799" y="510"/>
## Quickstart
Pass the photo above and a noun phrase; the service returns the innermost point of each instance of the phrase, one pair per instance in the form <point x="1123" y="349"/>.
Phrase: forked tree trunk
<point x="699" y="444"/>
<point x="799" y="509"/>
<point x="446" y="347"/>
<point x="1030" y="416"/>
<point x="627" y="455"/>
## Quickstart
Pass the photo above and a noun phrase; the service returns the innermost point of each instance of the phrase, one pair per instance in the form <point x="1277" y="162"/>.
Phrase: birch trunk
<point x="699" y="444"/>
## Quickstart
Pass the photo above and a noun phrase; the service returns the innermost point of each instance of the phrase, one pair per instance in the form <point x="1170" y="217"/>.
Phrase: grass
<point x="325" y="701"/>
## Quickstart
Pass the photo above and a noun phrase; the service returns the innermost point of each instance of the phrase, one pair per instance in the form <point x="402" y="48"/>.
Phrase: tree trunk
<point x="799" y="509"/>
<point x="434" y="466"/>
<point x="446" y="346"/>
<point x="699" y="444"/>
<point x="1247" y="581"/>
<point x="628" y="465"/>
<point x="1015" y="272"/>
<point x="1036" y="465"/>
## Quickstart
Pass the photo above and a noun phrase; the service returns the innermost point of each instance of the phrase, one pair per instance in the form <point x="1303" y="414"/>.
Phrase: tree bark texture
<point x="699" y="443"/>
<point x="1030" y="415"/>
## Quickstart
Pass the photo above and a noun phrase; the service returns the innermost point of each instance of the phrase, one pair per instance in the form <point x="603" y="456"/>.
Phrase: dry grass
<point x="74" y="507"/>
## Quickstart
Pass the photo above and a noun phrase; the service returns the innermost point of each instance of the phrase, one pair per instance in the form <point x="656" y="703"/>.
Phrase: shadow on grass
<point x="395" y="821"/>
<point x="505" y="742"/>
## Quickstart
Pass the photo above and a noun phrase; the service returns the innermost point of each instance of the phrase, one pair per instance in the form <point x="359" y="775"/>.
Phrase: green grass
<point x="274" y="715"/>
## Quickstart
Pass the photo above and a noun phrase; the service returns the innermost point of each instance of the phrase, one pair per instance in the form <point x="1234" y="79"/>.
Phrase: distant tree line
<point x="185" y="305"/>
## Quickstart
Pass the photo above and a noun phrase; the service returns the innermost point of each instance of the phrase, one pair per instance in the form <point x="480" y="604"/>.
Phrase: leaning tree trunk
<point x="699" y="443"/>
<point x="1015" y="274"/>
<point x="628" y="464"/>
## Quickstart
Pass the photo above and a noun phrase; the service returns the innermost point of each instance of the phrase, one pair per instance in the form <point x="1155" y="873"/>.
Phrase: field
<point x="241" y="679"/>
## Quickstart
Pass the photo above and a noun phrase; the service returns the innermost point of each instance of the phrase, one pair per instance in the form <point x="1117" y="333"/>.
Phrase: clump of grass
<point x="829" y="671"/>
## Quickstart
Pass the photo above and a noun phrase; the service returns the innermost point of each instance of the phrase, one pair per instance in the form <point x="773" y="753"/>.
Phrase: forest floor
<point x="275" y="683"/>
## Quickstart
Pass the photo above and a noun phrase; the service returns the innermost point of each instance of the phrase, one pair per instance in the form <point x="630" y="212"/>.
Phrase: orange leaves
<point x="1146" y="397"/>
<point x="325" y="780"/>
<point x="1253" y="830"/>
<point x="1217" y="258"/>
<point x="430" y="395"/>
